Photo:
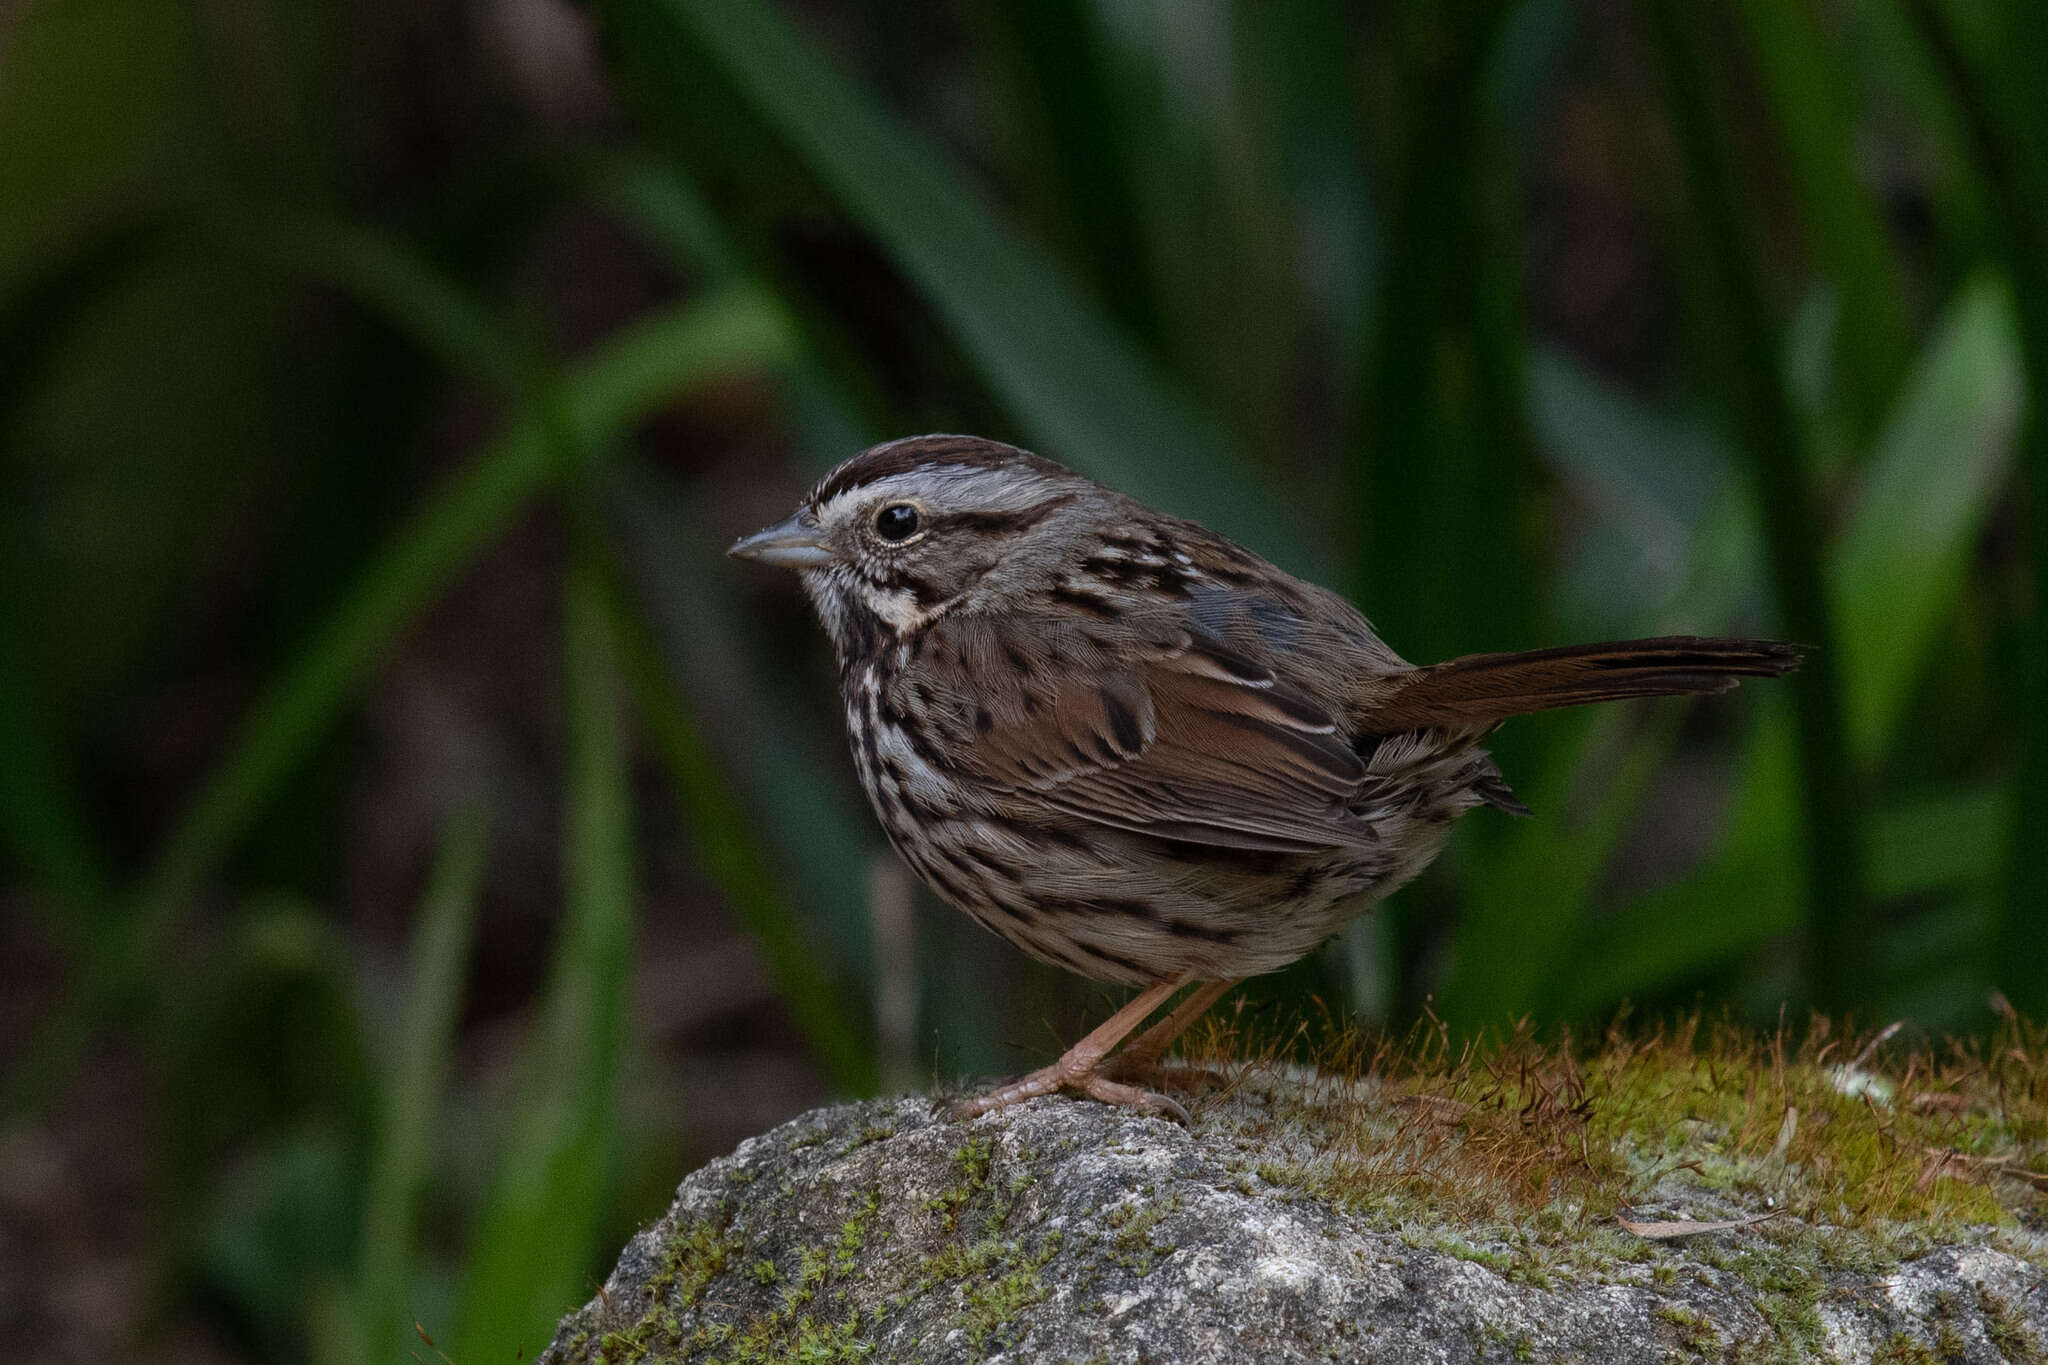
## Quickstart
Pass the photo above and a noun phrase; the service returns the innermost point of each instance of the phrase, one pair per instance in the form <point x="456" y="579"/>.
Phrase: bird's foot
<point x="1090" y="1081"/>
<point x="1158" y="1074"/>
<point x="1143" y="1059"/>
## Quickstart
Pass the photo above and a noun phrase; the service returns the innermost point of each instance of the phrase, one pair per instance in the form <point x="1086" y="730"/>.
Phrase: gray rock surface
<point x="1063" y="1230"/>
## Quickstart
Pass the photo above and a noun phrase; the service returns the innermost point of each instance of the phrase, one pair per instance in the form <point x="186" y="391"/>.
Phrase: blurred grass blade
<point x="1939" y="463"/>
<point x="1897" y="571"/>
<point x="1738" y="335"/>
<point x="639" y="191"/>
<point x="822" y="840"/>
<point x="1663" y="483"/>
<point x="678" y="617"/>
<point x="1442" y="439"/>
<point x="1941" y="843"/>
<point x="722" y="837"/>
<point x="1074" y="129"/>
<point x="1666" y="483"/>
<point x="44" y="830"/>
<point x="413" y="1085"/>
<point x="380" y="275"/>
<point x="1527" y="890"/>
<point x="43" y="826"/>
<point x="1076" y="386"/>
<point x="1748" y="891"/>
<point x="634" y="373"/>
<point x="1937" y="845"/>
<point x="539" y="1230"/>
<point x="1999" y="99"/>
<point x="1807" y="87"/>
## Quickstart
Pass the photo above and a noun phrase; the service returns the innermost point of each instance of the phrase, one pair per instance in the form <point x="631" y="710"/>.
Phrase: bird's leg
<point x="1080" y="1067"/>
<point x="1141" y="1057"/>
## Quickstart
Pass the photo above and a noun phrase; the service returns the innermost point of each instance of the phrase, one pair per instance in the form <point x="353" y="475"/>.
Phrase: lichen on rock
<point x="1309" y="1217"/>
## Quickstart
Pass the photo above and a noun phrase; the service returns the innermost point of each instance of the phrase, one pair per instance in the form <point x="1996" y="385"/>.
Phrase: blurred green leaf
<point x="1811" y="102"/>
<point x="139" y="419"/>
<point x="1994" y="84"/>
<point x="686" y="623"/>
<point x="1941" y="842"/>
<point x="277" y="1235"/>
<point x="103" y="100"/>
<point x="1685" y="542"/>
<point x="1929" y="483"/>
<point x="264" y="1057"/>
<point x="413" y="1083"/>
<point x="1069" y="378"/>
<point x="1747" y="892"/>
<point x="1527" y="890"/>
<point x="633" y="373"/>
<point x="43" y="825"/>
<point x="1940" y="845"/>
<point x="817" y="840"/>
<point x="1069" y="103"/>
<point x="1443" y="439"/>
<point x="1737" y="337"/>
<point x="1896" y="570"/>
<point x="381" y="275"/>
<point x="538" y="1234"/>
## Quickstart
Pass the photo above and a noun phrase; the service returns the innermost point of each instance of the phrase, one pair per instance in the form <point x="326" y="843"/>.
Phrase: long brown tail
<point x="1480" y="690"/>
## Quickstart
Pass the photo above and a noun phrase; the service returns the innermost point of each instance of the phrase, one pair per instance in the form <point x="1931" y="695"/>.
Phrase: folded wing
<point x="1183" y="739"/>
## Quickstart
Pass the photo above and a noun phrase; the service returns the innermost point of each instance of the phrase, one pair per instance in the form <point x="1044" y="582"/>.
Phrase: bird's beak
<point x="791" y="544"/>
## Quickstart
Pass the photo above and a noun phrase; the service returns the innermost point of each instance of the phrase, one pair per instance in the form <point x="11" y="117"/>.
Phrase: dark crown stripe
<point x="916" y="452"/>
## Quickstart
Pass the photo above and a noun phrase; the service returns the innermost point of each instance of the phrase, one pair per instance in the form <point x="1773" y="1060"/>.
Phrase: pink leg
<point x="1144" y="1053"/>
<point x="1078" y="1069"/>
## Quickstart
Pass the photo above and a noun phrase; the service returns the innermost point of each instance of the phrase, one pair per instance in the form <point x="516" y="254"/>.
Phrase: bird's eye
<point x="898" y="521"/>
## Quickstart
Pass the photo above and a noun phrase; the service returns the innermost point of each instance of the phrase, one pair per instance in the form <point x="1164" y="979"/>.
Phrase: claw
<point x="1133" y="1097"/>
<point x="1052" y="1079"/>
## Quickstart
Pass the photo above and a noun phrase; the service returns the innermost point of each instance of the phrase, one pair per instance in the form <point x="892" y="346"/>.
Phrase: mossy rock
<point x="1304" y="1217"/>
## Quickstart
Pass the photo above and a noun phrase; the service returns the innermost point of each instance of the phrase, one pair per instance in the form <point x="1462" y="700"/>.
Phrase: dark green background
<point x="420" y="847"/>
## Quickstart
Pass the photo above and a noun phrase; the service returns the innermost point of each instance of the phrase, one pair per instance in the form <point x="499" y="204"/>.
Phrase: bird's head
<point x="911" y="530"/>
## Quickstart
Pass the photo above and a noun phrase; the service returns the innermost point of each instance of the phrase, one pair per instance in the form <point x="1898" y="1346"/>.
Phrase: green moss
<point x="816" y="1319"/>
<point x="1131" y="1224"/>
<point x="1904" y="1349"/>
<point x="997" y="1277"/>
<point x="972" y="1158"/>
<point x="853" y="1233"/>
<point x="1516" y="1157"/>
<point x="1695" y="1333"/>
<point x="1529" y="1150"/>
<point x="1004" y="1282"/>
<point x="2008" y="1331"/>
<point x="690" y="1261"/>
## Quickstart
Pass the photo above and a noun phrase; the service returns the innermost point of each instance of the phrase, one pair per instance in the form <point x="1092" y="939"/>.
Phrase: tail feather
<point x="1481" y="690"/>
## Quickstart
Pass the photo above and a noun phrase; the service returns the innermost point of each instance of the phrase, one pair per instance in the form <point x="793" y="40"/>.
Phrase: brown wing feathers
<point x="1190" y="742"/>
<point x="1484" y="689"/>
